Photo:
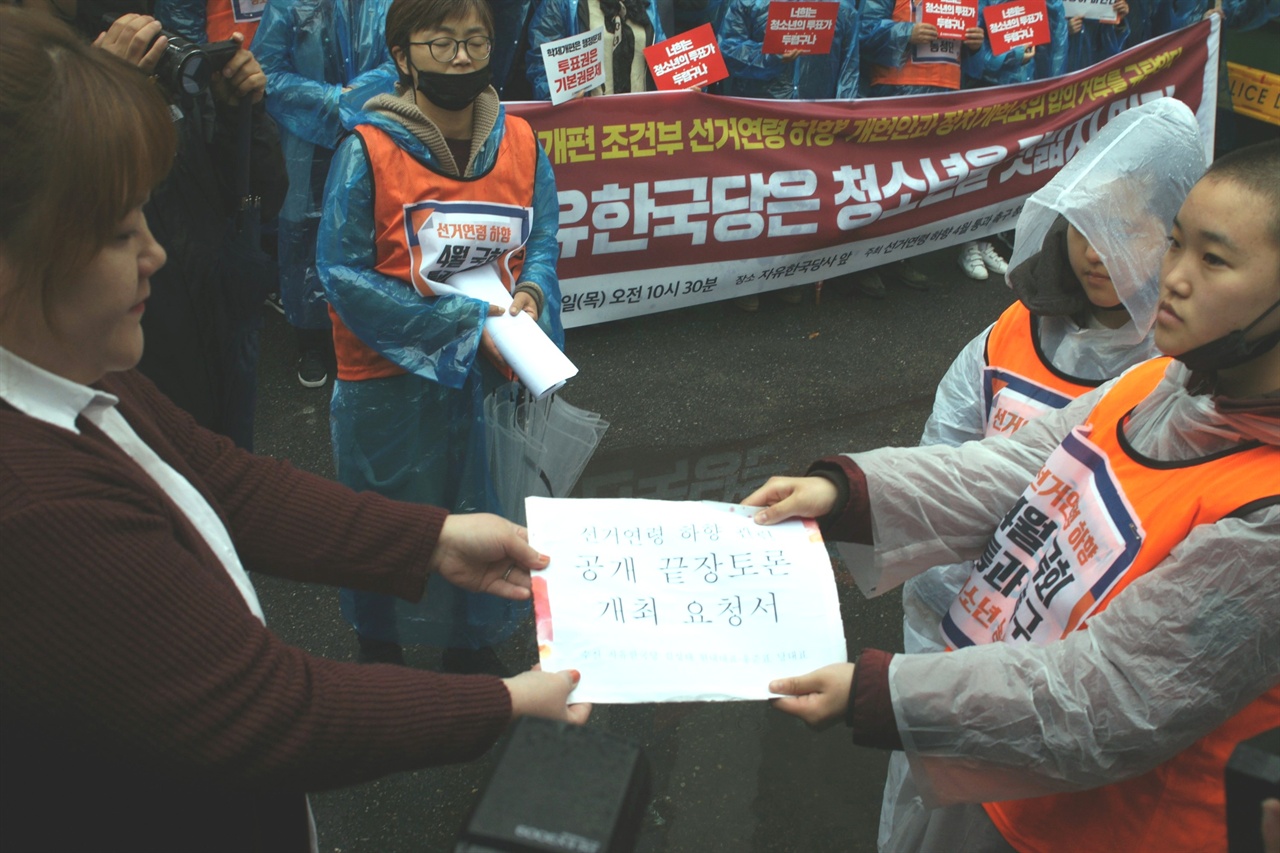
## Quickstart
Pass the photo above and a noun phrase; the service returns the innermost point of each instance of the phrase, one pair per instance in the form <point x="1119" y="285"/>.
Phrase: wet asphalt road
<point x="705" y="403"/>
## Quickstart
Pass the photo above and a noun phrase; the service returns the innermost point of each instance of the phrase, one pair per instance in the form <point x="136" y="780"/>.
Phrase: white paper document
<point x="537" y="361"/>
<point x="679" y="601"/>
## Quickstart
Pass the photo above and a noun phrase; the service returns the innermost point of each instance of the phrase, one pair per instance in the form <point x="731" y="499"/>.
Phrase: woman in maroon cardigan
<point x="145" y="705"/>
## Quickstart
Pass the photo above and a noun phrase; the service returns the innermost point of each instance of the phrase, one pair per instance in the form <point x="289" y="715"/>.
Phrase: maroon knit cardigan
<point x="142" y="706"/>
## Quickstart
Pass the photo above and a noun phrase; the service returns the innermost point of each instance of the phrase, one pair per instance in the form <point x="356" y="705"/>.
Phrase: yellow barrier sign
<point x="1254" y="92"/>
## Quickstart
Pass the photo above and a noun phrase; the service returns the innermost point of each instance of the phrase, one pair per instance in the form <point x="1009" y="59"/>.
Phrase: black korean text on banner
<point x="675" y="199"/>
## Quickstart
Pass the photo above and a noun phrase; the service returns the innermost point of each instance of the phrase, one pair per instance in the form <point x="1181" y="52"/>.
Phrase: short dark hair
<point x="85" y="137"/>
<point x="1257" y="168"/>
<point x="406" y="17"/>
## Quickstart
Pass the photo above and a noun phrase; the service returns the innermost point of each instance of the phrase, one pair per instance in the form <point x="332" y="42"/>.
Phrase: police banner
<point x="674" y="199"/>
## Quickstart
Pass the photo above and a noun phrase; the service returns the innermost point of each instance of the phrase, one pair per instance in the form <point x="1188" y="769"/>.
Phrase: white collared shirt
<point x="48" y="397"/>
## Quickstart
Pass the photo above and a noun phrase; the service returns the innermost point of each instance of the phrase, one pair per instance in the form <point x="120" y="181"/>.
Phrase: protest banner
<point x="574" y="64"/>
<point x="672" y="200"/>
<point x="951" y="18"/>
<point x="1098" y="10"/>
<point x="807" y="27"/>
<point x="1018" y="24"/>
<point x="691" y="60"/>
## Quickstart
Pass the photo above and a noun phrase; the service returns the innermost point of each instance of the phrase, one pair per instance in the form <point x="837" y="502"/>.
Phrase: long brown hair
<point x="85" y="137"/>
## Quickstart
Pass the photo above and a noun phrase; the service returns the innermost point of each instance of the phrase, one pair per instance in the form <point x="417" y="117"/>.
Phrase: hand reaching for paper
<point x="792" y="497"/>
<point x="486" y="553"/>
<point x="819" y="698"/>
<point x="546" y="694"/>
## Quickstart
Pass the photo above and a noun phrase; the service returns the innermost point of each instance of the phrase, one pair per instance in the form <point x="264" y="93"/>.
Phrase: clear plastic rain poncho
<point x="420" y="436"/>
<point x="754" y="74"/>
<point x="323" y="60"/>
<point x="1121" y="192"/>
<point x="1183" y="648"/>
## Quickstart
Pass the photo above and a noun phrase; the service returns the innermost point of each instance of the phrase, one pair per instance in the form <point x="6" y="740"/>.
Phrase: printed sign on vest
<point x="807" y="27"/>
<point x="248" y="10"/>
<point x="574" y="64"/>
<point x="449" y="237"/>
<point x="1017" y="24"/>
<point x="951" y="18"/>
<point x="1013" y="400"/>
<point x="1054" y="557"/>
<point x="691" y="60"/>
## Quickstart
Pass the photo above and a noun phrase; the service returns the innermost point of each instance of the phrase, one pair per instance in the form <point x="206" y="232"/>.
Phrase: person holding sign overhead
<point x="629" y="27"/>
<point x="437" y="184"/>
<point x="1119" y="631"/>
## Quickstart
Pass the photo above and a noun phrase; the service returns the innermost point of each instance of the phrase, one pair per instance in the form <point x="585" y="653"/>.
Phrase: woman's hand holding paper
<point x="819" y="698"/>
<point x="793" y="497"/>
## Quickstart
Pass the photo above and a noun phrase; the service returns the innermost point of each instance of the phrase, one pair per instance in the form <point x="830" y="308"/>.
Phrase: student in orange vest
<point x="1119" y="632"/>
<point x="904" y="56"/>
<point x="437" y="180"/>
<point x="1086" y="273"/>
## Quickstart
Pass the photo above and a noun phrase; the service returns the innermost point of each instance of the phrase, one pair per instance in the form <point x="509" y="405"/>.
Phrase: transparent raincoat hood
<point x="1121" y="192"/>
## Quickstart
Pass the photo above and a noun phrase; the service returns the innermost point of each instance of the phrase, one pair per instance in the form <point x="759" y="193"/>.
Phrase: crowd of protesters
<point x="322" y="124"/>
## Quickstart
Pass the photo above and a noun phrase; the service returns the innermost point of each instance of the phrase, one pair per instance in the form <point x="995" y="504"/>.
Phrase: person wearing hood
<point x="630" y="26"/>
<point x="1146" y="511"/>
<point x="437" y="179"/>
<point x="323" y="60"/>
<point x="1086" y="274"/>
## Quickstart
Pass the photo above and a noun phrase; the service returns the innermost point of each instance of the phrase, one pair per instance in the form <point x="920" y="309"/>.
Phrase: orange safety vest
<point x="1019" y="384"/>
<point x="1098" y="516"/>
<point x="224" y="17"/>
<point x="451" y="224"/>
<point x="934" y="64"/>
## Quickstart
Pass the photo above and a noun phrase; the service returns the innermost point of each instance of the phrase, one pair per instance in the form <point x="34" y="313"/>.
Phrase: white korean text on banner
<point x="674" y="199"/>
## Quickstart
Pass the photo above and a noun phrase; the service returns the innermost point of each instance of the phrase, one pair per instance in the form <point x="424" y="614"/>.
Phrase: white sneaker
<point x="971" y="262"/>
<point x="991" y="258"/>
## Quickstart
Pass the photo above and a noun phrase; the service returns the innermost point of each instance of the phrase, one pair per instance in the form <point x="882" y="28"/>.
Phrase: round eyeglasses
<point x="445" y="49"/>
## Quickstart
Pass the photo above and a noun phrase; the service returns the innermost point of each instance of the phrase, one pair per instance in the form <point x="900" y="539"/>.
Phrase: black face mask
<point x="1231" y="349"/>
<point x="452" y="92"/>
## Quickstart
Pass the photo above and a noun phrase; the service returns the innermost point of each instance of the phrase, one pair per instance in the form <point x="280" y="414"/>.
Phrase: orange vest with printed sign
<point x="1180" y="805"/>
<point x="1019" y="383"/>
<point x="220" y="22"/>
<point x="944" y="72"/>
<point x="404" y="192"/>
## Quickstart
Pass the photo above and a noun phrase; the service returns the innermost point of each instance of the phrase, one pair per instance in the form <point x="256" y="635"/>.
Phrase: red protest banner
<point x="1016" y="24"/>
<point x="951" y="17"/>
<point x="674" y="199"/>
<point x="807" y="27"/>
<point x="691" y="60"/>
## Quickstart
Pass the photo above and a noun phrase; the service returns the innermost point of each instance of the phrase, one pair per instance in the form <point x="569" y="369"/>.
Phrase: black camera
<point x="185" y="66"/>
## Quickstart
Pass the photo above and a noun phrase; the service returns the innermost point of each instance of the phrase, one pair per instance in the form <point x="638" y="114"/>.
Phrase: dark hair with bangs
<point x="406" y="17"/>
<point x="85" y="136"/>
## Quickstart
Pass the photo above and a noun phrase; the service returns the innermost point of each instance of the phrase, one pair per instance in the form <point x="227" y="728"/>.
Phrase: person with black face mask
<point x="436" y="182"/>
<point x="1119" y="629"/>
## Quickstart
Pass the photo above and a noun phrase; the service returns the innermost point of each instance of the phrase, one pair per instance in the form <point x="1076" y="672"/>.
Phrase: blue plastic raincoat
<point x="509" y="19"/>
<point x="884" y="41"/>
<point x="323" y="59"/>
<point x="753" y="74"/>
<point x="557" y="19"/>
<point x="984" y="68"/>
<point x="420" y="436"/>
<point x="1095" y="42"/>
